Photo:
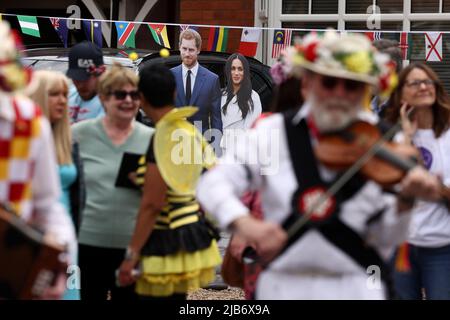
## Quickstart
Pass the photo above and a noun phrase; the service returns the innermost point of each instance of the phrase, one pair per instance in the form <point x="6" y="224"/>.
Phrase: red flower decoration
<point x="384" y="82"/>
<point x="310" y="51"/>
<point x="17" y="39"/>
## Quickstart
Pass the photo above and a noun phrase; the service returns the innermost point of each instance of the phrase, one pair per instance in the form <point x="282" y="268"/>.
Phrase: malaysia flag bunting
<point x="249" y="42"/>
<point x="281" y="39"/>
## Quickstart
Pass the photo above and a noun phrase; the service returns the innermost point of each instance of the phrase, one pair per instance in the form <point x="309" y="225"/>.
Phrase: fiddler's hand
<point x="419" y="183"/>
<point x="267" y="238"/>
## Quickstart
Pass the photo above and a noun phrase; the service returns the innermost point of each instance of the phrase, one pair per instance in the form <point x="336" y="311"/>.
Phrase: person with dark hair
<point x="424" y="261"/>
<point x="86" y="65"/>
<point x="241" y="105"/>
<point x="391" y="48"/>
<point x="173" y="243"/>
<point x="287" y="95"/>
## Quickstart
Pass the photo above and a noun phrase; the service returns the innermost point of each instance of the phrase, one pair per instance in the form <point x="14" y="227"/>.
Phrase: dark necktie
<point x="188" y="87"/>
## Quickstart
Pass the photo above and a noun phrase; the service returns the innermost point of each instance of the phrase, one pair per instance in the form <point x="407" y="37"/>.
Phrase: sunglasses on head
<point x="349" y="85"/>
<point x="122" y="94"/>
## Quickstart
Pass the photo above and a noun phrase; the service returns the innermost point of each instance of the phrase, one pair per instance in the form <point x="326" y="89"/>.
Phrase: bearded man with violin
<point x="335" y="196"/>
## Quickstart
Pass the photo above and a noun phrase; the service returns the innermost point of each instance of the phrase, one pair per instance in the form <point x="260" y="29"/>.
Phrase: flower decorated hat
<point x="13" y="76"/>
<point x="348" y="55"/>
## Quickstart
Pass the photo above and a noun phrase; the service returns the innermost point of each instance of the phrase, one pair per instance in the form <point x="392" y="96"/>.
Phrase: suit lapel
<point x="199" y="80"/>
<point x="181" y="97"/>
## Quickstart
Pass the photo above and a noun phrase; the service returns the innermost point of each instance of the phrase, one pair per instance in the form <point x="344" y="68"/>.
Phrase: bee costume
<point x="181" y="253"/>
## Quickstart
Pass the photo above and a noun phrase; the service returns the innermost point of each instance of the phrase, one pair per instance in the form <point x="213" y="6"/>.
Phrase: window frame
<point x="276" y="18"/>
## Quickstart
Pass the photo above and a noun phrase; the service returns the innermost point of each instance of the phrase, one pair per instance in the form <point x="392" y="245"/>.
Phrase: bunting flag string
<point x="218" y="35"/>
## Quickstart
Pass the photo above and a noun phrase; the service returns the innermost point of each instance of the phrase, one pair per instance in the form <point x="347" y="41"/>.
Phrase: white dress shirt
<point x="194" y="71"/>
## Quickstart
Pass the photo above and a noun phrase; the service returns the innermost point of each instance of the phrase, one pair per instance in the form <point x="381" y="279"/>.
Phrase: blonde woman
<point x="51" y="94"/>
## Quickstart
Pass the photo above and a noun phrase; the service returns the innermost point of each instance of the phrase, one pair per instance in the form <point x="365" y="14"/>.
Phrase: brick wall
<point x="219" y="12"/>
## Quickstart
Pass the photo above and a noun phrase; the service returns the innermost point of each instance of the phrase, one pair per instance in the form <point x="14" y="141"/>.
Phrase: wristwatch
<point x="131" y="254"/>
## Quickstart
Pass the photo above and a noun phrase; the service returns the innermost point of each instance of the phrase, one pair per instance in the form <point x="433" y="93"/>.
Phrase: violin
<point x="390" y="161"/>
<point x="387" y="162"/>
<point x="359" y="148"/>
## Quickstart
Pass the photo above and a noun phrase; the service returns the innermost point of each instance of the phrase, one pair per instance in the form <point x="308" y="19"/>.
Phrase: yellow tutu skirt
<point x="178" y="273"/>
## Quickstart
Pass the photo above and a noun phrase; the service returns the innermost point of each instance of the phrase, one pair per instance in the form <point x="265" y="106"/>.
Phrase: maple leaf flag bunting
<point x="249" y="42"/>
<point x="433" y="46"/>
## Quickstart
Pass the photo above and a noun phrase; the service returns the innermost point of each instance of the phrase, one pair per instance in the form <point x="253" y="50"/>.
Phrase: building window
<point x="325" y="7"/>
<point x="308" y="25"/>
<point x="357" y="6"/>
<point x="418" y="47"/>
<point x="425" y="6"/>
<point x="295" y="7"/>
<point x="390" y="6"/>
<point x="446" y="6"/>
<point x="385" y="25"/>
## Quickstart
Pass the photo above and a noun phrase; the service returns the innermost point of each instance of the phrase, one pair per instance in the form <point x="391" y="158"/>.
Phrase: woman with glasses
<point x="423" y="107"/>
<point x="111" y="148"/>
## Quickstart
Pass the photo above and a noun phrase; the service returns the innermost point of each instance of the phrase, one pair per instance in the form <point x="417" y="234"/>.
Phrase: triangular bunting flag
<point x="281" y="39"/>
<point x="93" y="31"/>
<point x="218" y="39"/>
<point x="433" y="46"/>
<point x="373" y="35"/>
<point x="249" y="42"/>
<point x="126" y="34"/>
<point x="405" y="45"/>
<point x="186" y="26"/>
<point x="29" y="25"/>
<point x="159" y="33"/>
<point x="60" y="26"/>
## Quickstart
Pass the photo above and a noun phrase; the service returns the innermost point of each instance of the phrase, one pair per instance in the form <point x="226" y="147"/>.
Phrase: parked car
<point x="56" y="59"/>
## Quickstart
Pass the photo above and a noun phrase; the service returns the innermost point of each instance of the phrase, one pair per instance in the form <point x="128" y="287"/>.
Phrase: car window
<point x="263" y="87"/>
<point x="60" y="66"/>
